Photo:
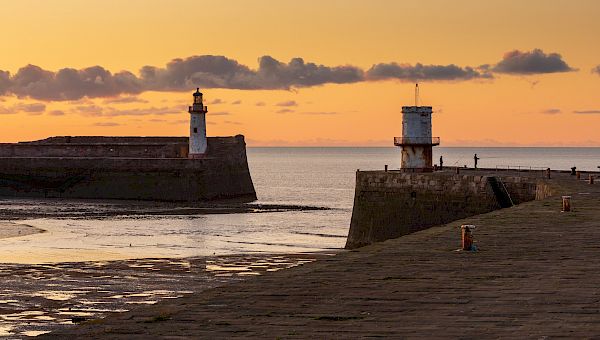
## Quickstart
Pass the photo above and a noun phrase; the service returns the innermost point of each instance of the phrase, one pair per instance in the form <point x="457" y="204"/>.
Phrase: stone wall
<point x="223" y="174"/>
<point x="391" y="204"/>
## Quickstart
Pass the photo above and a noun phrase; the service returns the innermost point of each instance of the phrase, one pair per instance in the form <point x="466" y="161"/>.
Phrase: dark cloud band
<point x="420" y="72"/>
<point x="533" y="62"/>
<point x="210" y="71"/>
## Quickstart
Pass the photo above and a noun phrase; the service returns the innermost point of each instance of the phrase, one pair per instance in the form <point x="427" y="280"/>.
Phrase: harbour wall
<point x="38" y="170"/>
<point x="392" y="204"/>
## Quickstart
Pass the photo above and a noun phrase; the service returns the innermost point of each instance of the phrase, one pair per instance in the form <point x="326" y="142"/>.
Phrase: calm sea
<point x="304" y="176"/>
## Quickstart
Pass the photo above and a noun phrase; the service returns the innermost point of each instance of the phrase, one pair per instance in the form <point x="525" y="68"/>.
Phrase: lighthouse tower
<point x="197" y="127"/>
<point x="416" y="141"/>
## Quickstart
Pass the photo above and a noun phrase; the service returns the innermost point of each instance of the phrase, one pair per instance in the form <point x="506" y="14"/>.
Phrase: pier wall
<point x="391" y="204"/>
<point x="223" y="174"/>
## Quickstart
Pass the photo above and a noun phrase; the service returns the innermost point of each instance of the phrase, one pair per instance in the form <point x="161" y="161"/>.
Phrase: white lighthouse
<point x="416" y="140"/>
<point x="197" y="127"/>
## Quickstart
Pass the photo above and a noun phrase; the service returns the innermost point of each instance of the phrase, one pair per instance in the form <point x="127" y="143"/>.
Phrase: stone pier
<point x="536" y="275"/>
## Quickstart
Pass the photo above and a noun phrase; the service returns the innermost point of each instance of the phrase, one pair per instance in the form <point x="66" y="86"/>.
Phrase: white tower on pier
<point x="197" y="127"/>
<point x="416" y="140"/>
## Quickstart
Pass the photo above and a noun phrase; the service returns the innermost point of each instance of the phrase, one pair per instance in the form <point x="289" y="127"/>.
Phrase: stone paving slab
<point x="537" y="275"/>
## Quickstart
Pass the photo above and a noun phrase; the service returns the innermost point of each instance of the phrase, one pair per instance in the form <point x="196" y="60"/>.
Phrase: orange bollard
<point x="566" y="203"/>
<point x="467" y="236"/>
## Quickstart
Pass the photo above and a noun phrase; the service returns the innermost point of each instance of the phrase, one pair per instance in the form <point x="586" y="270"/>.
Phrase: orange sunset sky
<point x="328" y="73"/>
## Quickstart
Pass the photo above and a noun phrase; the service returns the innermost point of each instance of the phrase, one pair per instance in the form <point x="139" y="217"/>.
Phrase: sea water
<point x="322" y="177"/>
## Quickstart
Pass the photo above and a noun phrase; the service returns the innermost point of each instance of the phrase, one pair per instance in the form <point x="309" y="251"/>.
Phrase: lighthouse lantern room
<point x="197" y="143"/>
<point x="416" y="141"/>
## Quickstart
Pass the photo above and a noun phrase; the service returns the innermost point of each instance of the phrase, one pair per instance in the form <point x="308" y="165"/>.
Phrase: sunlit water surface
<point x="302" y="176"/>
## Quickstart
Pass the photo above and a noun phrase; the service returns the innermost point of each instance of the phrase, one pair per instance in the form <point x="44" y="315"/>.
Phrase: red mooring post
<point x="566" y="203"/>
<point x="578" y="175"/>
<point x="467" y="236"/>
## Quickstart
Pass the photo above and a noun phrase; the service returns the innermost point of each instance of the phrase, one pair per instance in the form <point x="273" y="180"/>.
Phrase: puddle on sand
<point x="36" y="299"/>
<point x="34" y="333"/>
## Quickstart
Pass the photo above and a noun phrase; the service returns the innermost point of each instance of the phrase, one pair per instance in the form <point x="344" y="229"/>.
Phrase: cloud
<point x="532" y="62"/>
<point x="216" y="101"/>
<point x="6" y="111"/>
<point x="587" y="112"/>
<point x="97" y="111"/>
<point x="125" y="100"/>
<point x="594" y="70"/>
<point x="284" y="111"/>
<point x="212" y="71"/>
<point x="236" y="102"/>
<point x="71" y="84"/>
<point x="551" y="111"/>
<point x="56" y="113"/>
<point x="181" y="121"/>
<point x="260" y="104"/>
<point x="232" y="122"/>
<point x="220" y="113"/>
<point x="5" y="82"/>
<point x="29" y="107"/>
<point x="107" y="124"/>
<point x="323" y="113"/>
<point x="288" y="103"/>
<point x="206" y="71"/>
<point x="209" y="71"/>
<point x="407" y="72"/>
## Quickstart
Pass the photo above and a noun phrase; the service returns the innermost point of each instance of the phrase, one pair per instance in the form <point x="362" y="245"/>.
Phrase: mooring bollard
<point x="566" y="203"/>
<point x="467" y="236"/>
<point x="386" y="168"/>
<point x="548" y="171"/>
<point x="591" y="179"/>
<point x="457" y="170"/>
<point x="578" y="175"/>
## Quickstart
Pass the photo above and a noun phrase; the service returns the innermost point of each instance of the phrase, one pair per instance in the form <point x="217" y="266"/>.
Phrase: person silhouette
<point x="475" y="158"/>
<point x="441" y="162"/>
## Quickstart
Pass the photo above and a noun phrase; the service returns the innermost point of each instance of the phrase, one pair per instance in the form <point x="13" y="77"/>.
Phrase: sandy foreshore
<point x="11" y="229"/>
<point x="38" y="298"/>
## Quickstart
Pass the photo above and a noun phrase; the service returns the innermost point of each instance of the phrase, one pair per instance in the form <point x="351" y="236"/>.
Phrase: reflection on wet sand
<point x="35" y="299"/>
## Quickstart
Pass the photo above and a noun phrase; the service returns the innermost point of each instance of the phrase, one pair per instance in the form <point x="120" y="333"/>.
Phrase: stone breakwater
<point x="536" y="275"/>
<point x="133" y="168"/>
<point x="392" y="204"/>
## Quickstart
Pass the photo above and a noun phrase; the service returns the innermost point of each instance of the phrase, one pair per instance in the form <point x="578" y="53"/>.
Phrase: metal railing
<point x="399" y="141"/>
<point x="520" y="168"/>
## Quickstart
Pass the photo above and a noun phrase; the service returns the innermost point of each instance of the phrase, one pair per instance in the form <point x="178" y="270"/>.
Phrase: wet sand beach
<point x="96" y="258"/>
<point x="39" y="298"/>
<point x="11" y="229"/>
<point x="536" y="275"/>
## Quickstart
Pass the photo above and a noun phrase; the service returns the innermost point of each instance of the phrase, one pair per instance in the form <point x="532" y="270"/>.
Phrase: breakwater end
<point x="126" y="168"/>
<point x="535" y="275"/>
<point x="390" y="204"/>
